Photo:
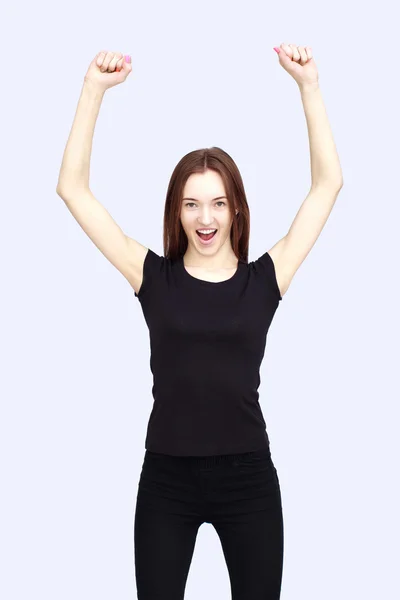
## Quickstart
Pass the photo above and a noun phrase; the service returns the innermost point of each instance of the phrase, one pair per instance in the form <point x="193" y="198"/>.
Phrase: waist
<point x="208" y="461"/>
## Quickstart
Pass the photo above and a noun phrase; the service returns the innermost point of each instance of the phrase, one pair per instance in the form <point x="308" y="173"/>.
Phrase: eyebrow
<point x="194" y="199"/>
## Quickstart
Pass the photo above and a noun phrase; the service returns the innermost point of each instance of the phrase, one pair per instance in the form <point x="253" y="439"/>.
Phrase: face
<point x="205" y="206"/>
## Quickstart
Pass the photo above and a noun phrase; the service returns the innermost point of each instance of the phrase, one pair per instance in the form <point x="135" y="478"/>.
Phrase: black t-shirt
<point x="207" y="341"/>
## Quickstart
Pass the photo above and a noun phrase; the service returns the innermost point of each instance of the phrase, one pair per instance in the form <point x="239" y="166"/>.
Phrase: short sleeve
<point x="151" y="269"/>
<point x="265" y="267"/>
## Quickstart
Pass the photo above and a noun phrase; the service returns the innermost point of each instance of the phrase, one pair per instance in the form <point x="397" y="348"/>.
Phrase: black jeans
<point x="238" y="494"/>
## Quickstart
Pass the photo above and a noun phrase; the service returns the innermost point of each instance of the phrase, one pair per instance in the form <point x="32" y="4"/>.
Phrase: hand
<point x="108" y="69"/>
<point x="299" y="63"/>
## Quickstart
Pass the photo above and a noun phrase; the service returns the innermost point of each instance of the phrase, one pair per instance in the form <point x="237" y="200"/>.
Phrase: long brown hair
<point x="198" y="161"/>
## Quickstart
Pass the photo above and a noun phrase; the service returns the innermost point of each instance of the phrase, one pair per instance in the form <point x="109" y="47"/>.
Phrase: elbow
<point x="60" y="192"/>
<point x="333" y="184"/>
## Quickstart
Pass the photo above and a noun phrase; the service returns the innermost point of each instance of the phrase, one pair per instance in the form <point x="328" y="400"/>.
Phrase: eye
<point x="193" y="204"/>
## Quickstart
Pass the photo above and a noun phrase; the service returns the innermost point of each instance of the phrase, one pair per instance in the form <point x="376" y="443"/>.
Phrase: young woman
<point x="208" y="309"/>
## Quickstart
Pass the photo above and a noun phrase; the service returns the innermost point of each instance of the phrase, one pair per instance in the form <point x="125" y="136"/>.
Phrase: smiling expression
<point x="205" y="207"/>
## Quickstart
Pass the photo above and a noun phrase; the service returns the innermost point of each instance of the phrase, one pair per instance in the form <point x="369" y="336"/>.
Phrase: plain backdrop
<point x="75" y="374"/>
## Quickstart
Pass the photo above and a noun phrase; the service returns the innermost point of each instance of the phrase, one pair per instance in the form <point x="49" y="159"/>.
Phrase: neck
<point x="221" y="260"/>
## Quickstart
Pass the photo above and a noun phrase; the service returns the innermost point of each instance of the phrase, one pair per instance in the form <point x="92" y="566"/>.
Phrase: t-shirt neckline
<point x="196" y="280"/>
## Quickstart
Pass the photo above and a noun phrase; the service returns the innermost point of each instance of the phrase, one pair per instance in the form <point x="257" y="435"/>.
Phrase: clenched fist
<point x="298" y="61"/>
<point x="108" y="69"/>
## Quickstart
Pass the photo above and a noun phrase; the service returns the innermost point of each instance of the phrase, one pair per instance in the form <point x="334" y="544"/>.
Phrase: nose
<point x="206" y="219"/>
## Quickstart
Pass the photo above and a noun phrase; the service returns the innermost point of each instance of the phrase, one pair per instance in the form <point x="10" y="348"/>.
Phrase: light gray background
<point x="76" y="381"/>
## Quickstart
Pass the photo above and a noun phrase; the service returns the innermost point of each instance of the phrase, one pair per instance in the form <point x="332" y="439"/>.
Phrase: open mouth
<point x="206" y="236"/>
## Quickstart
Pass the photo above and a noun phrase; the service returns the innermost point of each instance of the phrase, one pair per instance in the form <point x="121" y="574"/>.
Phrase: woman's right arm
<point x="126" y="254"/>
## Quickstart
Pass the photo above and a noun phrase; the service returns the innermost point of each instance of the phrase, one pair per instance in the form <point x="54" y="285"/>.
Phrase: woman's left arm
<point x="325" y="165"/>
<point x="326" y="173"/>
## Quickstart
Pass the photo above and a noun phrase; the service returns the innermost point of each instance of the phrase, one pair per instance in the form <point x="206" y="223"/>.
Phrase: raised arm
<point x="326" y="173"/>
<point x="126" y="254"/>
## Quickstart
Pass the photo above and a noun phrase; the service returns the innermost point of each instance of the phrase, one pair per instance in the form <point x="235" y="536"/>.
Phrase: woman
<point x="208" y="310"/>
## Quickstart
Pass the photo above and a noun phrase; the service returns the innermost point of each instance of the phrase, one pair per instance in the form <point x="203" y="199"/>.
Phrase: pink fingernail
<point x="277" y="50"/>
<point x="128" y="58"/>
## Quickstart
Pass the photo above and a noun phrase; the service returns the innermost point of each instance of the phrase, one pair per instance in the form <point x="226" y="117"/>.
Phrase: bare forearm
<point x="75" y="166"/>
<point x="325" y="164"/>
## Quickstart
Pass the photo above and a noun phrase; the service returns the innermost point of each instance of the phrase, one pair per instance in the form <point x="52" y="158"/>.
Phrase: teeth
<point x="206" y="230"/>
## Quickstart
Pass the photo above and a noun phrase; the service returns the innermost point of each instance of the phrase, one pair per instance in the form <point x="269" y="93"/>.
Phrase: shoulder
<point x="264" y="268"/>
<point x="152" y="267"/>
